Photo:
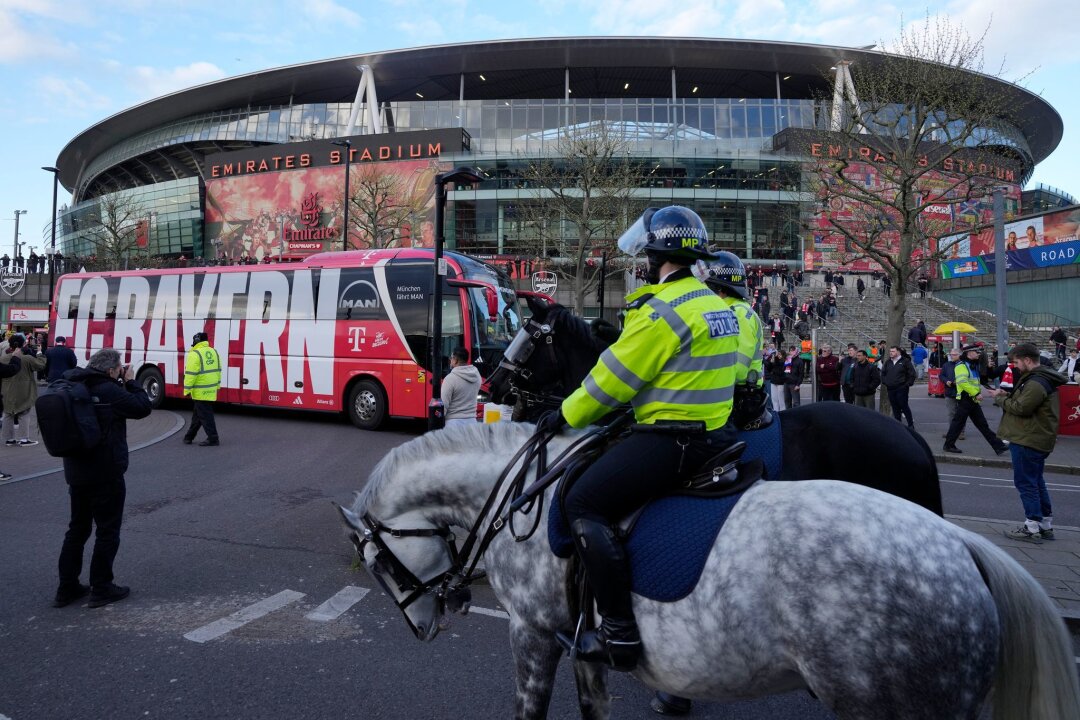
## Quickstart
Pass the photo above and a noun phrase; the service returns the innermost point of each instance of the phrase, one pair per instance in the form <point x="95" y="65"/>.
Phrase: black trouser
<point x="849" y="393"/>
<point x="638" y="469"/>
<point x="898" y="400"/>
<point x="828" y="393"/>
<point x="966" y="407"/>
<point x="100" y="504"/>
<point x="202" y="416"/>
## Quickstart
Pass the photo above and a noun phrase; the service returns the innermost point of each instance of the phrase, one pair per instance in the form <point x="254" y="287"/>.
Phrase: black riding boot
<point x="616" y="642"/>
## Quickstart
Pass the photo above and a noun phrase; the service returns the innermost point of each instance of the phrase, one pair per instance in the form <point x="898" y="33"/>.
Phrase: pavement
<point x="1055" y="564"/>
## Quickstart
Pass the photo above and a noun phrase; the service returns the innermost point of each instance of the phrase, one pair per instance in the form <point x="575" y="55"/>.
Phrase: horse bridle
<point x="533" y="334"/>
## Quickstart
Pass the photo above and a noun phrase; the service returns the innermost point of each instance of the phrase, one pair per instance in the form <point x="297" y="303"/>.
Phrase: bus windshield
<point x="492" y="336"/>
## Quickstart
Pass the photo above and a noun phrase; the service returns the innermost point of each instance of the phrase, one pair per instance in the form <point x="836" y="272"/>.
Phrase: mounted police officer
<point x="727" y="277"/>
<point x="675" y="363"/>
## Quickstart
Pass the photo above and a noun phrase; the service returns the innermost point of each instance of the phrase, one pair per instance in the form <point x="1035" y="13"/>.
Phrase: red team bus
<point x="341" y="332"/>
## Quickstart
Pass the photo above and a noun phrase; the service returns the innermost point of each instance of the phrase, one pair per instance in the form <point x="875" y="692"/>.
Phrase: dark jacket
<point x="898" y="373"/>
<point x="938" y="358"/>
<point x="845" y="363"/>
<point x="1030" y="414"/>
<point x="774" y="369"/>
<point x="917" y="334"/>
<point x="865" y="378"/>
<point x="58" y="360"/>
<point x="116" y="403"/>
<point x="9" y="369"/>
<point x="794" y="377"/>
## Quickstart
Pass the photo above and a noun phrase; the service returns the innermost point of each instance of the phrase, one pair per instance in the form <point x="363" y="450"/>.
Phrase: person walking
<point x="968" y="395"/>
<point x="865" y="379"/>
<point x="918" y="359"/>
<point x="860" y="287"/>
<point x="96" y="484"/>
<point x="827" y="366"/>
<point x="1029" y="422"/>
<point x="898" y="375"/>
<point x="59" y="359"/>
<point x="917" y="334"/>
<point x="20" y="392"/>
<point x="1060" y="339"/>
<point x="948" y="380"/>
<point x="202" y="378"/>
<point x="460" y="388"/>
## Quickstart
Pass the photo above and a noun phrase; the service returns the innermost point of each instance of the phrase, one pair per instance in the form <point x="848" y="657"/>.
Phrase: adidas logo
<point x="298" y="401"/>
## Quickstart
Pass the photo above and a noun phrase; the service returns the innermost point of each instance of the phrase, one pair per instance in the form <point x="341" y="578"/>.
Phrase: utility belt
<point x="684" y="432"/>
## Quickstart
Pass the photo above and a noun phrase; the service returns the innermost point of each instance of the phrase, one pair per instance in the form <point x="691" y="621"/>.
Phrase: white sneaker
<point x="27" y="443"/>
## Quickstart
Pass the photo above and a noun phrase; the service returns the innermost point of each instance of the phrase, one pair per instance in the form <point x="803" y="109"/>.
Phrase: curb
<point x="1071" y="618"/>
<point x="995" y="463"/>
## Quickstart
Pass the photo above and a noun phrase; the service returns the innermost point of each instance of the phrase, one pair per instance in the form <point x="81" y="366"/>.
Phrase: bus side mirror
<point x="492" y="304"/>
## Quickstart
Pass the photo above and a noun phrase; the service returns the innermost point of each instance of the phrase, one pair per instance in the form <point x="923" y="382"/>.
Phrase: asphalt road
<point x="234" y="555"/>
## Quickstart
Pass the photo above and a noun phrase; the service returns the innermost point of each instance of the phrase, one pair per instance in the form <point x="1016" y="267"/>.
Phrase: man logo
<point x="12" y="280"/>
<point x="359" y="295"/>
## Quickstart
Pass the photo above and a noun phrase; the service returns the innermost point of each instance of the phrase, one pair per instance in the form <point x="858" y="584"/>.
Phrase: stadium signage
<point x="385" y="147"/>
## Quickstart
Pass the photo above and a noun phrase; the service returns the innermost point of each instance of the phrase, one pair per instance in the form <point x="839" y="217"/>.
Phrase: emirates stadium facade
<point x="223" y="169"/>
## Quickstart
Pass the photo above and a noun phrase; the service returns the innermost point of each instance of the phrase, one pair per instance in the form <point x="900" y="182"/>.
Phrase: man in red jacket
<point x="827" y="366"/>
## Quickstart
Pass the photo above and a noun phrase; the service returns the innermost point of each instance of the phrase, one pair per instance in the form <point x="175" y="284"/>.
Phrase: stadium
<point x="221" y="170"/>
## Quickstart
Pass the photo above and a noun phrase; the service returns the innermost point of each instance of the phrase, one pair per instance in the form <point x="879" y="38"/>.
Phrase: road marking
<point x="338" y="604"/>
<point x="1009" y="482"/>
<point x="242" y="617"/>
<point x="950" y="516"/>
<point x="956" y="482"/>
<point x="492" y="613"/>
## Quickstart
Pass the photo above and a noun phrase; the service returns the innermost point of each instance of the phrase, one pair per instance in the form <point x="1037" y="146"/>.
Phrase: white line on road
<point x="338" y="604"/>
<point x="492" y="613"/>
<point x="242" y="617"/>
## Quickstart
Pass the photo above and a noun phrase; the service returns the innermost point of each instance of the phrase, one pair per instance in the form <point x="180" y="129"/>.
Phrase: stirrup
<point x="592" y="646"/>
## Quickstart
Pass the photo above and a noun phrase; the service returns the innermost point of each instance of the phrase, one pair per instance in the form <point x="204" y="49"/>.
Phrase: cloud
<point x="330" y="13"/>
<point x="150" y="82"/>
<point x="22" y="40"/>
<point x="71" y="95"/>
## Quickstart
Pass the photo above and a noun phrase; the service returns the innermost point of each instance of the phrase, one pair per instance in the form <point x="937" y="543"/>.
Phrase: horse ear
<point x="538" y="307"/>
<point x="348" y="517"/>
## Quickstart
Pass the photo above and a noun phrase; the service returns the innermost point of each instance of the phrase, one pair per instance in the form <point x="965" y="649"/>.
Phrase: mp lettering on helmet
<point x="721" y="323"/>
<point x="689" y="242"/>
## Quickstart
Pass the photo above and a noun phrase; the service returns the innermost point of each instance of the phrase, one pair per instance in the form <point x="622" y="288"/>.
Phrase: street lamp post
<point x="436" y="411"/>
<point x="17" y="214"/>
<point x="347" y="144"/>
<point x="1000" y="269"/>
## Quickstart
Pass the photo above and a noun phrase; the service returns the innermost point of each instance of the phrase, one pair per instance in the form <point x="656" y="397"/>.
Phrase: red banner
<point x="1069" y="420"/>
<point x="142" y="233"/>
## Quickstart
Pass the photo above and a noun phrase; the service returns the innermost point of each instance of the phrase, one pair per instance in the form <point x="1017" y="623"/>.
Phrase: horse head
<point x="410" y="558"/>
<point x="550" y="355"/>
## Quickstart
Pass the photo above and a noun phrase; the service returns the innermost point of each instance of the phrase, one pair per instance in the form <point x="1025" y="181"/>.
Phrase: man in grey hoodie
<point x="460" y="388"/>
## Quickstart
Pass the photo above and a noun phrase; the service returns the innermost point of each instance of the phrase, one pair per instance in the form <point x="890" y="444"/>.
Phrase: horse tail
<point x="933" y="499"/>
<point x="1035" y="677"/>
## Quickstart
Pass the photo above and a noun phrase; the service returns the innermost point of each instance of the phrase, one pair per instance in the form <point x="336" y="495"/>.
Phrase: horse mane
<point x="494" y="440"/>
<point x="579" y="347"/>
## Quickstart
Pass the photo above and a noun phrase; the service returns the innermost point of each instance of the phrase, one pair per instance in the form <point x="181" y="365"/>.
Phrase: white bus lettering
<point x="132" y="302"/>
<point x="225" y="330"/>
<point x="267" y="308"/>
<point x="93" y="300"/>
<point x="312" y="338"/>
<point x="161" y="344"/>
<point x="65" y="324"/>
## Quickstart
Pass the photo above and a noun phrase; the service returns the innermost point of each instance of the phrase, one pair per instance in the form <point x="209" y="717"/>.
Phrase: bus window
<point x="493" y="336"/>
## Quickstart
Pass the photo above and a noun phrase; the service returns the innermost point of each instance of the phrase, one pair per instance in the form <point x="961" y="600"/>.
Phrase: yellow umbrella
<point x="949" y="327"/>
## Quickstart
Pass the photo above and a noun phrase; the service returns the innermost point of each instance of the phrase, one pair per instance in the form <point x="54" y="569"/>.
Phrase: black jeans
<point x="968" y="408"/>
<point x="641" y="467"/>
<point x="202" y="416"/>
<point x="826" y="394"/>
<point x="898" y="400"/>
<point x="849" y="393"/>
<point x="100" y="504"/>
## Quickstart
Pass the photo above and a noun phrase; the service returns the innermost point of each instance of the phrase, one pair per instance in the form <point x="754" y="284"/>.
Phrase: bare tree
<point x="384" y="201"/>
<point x="924" y="136"/>
<point x="583" y="200"/>
<point x="114" y="232"/>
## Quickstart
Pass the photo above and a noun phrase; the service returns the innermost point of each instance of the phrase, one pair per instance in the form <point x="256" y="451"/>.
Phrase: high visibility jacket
<point x="202" y="372"/>
<point x="966" y="380"/>
<point x="675" y="359"/>
<point x="750" y="339"/>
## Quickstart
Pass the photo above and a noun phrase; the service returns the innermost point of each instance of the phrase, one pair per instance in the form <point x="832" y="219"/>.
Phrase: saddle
<point x="668" y="540"/>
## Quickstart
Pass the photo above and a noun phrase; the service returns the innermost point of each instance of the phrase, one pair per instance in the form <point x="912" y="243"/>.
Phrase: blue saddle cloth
<point x="671" y="540"/>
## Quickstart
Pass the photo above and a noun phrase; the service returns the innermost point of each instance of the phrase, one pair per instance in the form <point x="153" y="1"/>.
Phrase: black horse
<point x="833" y="440"/>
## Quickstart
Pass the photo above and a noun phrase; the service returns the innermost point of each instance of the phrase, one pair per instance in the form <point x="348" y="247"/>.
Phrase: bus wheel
<point x="367" y="405"/>
<point x="153" y="383"/>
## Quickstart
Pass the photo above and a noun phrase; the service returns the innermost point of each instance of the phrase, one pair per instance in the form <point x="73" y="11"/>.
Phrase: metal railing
<point x="1027" y="320"/>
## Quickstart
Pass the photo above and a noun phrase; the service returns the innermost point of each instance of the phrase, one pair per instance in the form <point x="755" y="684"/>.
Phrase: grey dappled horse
<point x="878" y="606"/>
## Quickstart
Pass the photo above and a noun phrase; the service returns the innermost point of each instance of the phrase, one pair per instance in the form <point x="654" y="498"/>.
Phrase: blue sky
<point x="65" y="66"/>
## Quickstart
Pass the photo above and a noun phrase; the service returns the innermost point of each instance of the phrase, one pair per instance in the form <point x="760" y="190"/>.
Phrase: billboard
<point x="1044" y="241"/>
<point x="285" y="202"/>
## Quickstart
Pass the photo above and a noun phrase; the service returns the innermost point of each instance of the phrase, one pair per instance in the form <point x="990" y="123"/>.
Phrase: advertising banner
<point x="1044" y="241"/>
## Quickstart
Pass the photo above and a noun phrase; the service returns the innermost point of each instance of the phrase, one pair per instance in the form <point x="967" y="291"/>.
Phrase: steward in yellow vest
<point x="675" y="363"/>
<point x="202" y="377"/>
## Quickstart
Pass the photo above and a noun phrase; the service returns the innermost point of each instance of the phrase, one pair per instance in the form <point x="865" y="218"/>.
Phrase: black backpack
<point x="67" y="418"/>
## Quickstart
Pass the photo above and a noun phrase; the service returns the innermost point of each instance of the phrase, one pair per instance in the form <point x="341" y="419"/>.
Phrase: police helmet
<point x="726" y="272"/>
<point x="676" y="233"/>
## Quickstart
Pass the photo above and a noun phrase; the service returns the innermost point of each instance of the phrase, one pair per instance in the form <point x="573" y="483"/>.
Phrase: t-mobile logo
<point x="358" y="337"/>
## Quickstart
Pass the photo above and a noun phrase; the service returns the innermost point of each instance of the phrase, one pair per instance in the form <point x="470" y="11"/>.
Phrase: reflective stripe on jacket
<point x="966" y="380"/>
<point x="675" y="360"/>
<point x="202" y="372"/>
<point x="750" y="339"/>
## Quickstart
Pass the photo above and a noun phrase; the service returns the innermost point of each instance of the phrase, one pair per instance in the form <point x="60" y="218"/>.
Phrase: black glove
<point x="605" y="331"/>
<point x="551" y="422"/>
